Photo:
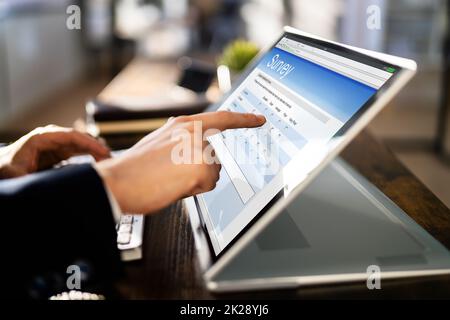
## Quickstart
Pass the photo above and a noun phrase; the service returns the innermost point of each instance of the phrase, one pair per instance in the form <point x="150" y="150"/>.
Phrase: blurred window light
<point x="175" y="9"/>
<point x="98" y="22"/>
<point x="264" y="20"/>
<point x="415" y="29"/>
<point x="158" y="26"/>
<point x="3" y="10"/>
<point x="224" y="78"/>
<point x="134" y="19"/>
<point x="169" y="41"/>
<point x="318" y="17"/>
<point x="354" y="29"/>
<point x="16" y="5"/>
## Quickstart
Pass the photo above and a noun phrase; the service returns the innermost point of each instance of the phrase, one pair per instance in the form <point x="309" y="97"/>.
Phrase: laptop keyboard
<point x="130" y="231"/>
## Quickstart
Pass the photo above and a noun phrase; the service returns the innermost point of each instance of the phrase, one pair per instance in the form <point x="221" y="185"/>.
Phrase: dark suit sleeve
<point x="54" y="219"/>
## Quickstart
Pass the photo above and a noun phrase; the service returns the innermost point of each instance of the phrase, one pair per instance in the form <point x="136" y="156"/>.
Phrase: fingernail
<point x="261" y="117"/>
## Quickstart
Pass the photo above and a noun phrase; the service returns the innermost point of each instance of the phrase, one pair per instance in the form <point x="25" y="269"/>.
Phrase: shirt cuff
<point x="115" y="208"/>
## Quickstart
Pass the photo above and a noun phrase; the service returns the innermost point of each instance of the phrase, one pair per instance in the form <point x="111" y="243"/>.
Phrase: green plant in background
<point x="238" y="54"/>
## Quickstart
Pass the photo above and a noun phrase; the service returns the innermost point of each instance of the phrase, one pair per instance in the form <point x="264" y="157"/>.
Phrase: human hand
<point x="147" y="178"/>
<point x="44" y="147"/>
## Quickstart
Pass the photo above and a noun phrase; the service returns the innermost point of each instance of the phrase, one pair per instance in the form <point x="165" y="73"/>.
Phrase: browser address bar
<point x="366" y="74"/>
<point x="341" y="67"/>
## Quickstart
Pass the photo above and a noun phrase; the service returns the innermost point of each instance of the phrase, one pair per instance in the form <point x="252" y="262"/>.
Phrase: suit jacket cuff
<point x="115" y="208"/>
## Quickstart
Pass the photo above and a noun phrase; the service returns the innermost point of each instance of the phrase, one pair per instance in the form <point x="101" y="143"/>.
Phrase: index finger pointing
<point x="223" y="120"/>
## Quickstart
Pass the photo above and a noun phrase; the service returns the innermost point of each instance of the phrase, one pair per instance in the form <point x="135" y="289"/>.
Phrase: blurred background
<point x="48" y="72"/>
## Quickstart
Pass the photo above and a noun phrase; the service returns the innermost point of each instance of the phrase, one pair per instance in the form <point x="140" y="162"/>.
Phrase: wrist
<point x="107" y="173"/>
<point x="7" y="170"/>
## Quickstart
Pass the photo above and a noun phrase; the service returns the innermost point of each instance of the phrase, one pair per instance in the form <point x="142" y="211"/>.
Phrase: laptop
<point x="285" y="212"/>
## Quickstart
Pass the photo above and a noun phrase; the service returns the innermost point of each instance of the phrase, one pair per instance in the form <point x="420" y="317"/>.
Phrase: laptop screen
<point x="309" y="93"/>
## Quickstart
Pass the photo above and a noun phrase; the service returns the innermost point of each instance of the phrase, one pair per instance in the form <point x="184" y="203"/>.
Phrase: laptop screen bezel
<point x="321" y="44"/>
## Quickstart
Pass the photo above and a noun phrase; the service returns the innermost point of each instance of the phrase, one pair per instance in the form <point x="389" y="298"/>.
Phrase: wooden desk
<point x="169" y="268"/>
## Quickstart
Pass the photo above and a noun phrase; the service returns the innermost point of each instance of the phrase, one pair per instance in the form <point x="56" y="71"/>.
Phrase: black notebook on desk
<point x="143" y="114"/>
<point x="140" y="115"/>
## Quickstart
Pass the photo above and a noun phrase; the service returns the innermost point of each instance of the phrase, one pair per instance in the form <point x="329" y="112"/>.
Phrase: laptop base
<point x="341" y="228"/>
